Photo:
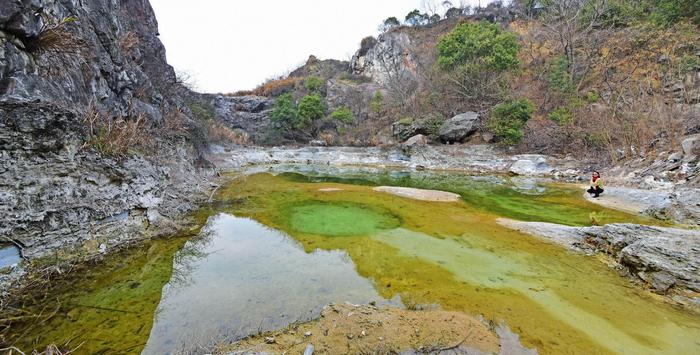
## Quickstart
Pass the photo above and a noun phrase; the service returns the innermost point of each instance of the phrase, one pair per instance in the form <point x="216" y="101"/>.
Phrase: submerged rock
<point x="419" y="194"/>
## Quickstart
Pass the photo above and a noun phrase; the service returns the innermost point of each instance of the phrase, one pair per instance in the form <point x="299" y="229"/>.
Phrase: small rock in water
<point x="307" y="334"/>
<point x="270" y="340"/>
<point x="350" y="336"/>
<point x="309" y="349"/>
<point x="363" y="334"/>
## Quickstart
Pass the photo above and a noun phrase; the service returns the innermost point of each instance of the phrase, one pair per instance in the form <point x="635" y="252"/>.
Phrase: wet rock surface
<point x="664" y="258"/>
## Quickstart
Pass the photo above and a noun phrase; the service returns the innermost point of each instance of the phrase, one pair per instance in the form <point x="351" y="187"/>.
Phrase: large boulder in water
<point x="459" y="128"/>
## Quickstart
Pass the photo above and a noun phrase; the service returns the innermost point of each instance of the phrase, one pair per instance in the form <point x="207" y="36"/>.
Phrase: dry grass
<point x="219" y="133"/>
<point x="116" y="137"/>
<point x="55" y="38"/>
<point x="129" y="42"/>
<point x="174" y="124"/>
<point x="271" y="88"/>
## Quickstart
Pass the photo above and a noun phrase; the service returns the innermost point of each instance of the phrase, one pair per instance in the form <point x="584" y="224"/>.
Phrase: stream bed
<point x="280" y="243"/>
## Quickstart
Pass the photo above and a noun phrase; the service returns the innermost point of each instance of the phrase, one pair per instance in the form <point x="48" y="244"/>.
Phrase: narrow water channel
<point x="276" y="247"/>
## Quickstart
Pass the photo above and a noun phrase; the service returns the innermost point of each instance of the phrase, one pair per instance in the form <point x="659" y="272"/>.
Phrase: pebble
<point x="309" y="349"/>
<point x="307" y="334"/>
<point x="270" y="340"/>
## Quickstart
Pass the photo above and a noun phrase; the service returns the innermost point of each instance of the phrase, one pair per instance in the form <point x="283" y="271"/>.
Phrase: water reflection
<point x="240" y="278"/>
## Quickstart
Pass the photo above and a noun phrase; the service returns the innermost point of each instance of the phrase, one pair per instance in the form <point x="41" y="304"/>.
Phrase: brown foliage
<point x="272" y="88"/>
<point x="219" y="133"/>
<point x="55" y="38"/>
<point x="129" y="42"/>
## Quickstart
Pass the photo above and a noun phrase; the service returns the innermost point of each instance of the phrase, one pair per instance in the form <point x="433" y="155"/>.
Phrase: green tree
<point x="343" y="114"/>
<point x="509" y="118"/>
<point x="416" y="18"/>
<point x="479" y="42"/>
<point x="559" y="78"/>
<point x="285" y="112"/>
<point x="311" y="108"/>
<point x="313" y="84"/>
<point x="376" y="103"/>
<point x="668" y="12"/>
<point x="389" y="23"/>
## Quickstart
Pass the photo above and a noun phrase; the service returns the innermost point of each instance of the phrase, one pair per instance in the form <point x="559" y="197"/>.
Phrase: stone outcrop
<point x="664" y="258"/>
<point x="417" y="140"/>
<point x="478" y="159"/>
<point x="389" y="59"/>
<point x="248" y="113"/>
<point x="58" y="60"/>
<point x="109" y="56"/>
<point x="682" y="206"/>
<point x="459" y="128"/>
<point x="530" y="164"/>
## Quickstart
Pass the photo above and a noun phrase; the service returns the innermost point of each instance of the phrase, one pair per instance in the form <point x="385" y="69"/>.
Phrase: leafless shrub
<point x="115" y="137"/>
<point x="218" y="133"/>
<point x="174" y="123"/>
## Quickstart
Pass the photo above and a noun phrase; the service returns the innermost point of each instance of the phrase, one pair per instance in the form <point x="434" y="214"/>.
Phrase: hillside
<point x="609" y="82"/>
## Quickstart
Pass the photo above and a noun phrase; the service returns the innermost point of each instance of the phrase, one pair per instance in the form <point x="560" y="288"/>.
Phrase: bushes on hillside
<point x="483" y="43"/>
<point x="343" y="114"/>
<point x="509" y="118"/>
<point x="311" y="108"/>
<point x="473" y="59"/>
<point x="313" y="84"/>
<point x="668" y="12"/>
<point x="285" y="111"/>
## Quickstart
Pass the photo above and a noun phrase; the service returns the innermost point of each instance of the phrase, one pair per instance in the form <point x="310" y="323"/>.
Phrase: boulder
<point x="417" y="140"/>
<point x="404" y="130"/>
<point x="682" y="206"/>
<point x="460" y="127"/>
<point x="530" y="165"/>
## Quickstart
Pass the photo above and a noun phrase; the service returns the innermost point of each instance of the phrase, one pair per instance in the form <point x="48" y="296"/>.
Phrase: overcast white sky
<point x="229" y="45"/>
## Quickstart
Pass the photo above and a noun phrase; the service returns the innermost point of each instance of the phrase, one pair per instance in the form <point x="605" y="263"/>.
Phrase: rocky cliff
<point x="62" y="61"/>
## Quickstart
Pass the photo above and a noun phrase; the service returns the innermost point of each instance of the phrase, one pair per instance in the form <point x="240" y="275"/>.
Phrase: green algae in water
<point x="525" y="199"/>
<point x="339" y="219"/>
<point x="293" y="248"/>
<point x="456" y="256"/>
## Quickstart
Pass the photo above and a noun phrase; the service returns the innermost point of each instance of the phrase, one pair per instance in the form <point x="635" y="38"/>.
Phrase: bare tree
<point x="565" y="19"/>
<point x="398" y="79"/>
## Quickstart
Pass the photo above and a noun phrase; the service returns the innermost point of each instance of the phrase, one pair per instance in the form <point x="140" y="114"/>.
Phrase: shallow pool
<point x="277" y="247"/>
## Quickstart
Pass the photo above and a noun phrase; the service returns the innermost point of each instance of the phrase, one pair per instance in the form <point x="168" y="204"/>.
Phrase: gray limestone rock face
<point x="248" y="113"/>
<point x="459" y="127"/>
<point x="55" y="193"/>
